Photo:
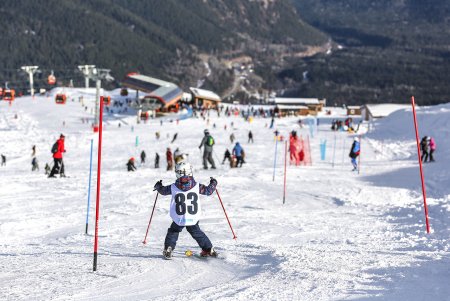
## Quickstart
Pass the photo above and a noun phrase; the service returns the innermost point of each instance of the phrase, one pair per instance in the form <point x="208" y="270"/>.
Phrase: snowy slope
<point x="340" y="235"/>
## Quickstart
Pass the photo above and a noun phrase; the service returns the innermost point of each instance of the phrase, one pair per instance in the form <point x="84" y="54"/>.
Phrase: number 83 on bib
<point x="185" y="208"/>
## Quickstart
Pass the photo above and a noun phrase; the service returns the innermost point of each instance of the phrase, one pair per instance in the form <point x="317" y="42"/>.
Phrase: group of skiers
<point x="427" y="146"/>
<point x="236" y="157"/>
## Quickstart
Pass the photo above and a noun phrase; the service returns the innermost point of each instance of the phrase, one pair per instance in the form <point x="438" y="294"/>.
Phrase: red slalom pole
<point x="149" y="222"/>
<point x="97" y="203"/>
<point x="234" y="235"/>
<point x="424" y="193"/>
<point x="285" y="163"/>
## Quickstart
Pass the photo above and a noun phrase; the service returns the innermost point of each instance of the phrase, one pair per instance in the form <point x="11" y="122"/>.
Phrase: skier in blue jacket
<point x="185" y="209"/>
<point x="354" y="153"/>
<point x="238" y="151"/>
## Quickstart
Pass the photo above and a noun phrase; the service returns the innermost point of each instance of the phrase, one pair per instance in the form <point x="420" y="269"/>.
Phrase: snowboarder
<point x="354" y="153"/>
<point x="432" y="148"/>
<point x="130" y="165"/>
<point x="250" y="137"/>
<point x="169" y="159"/>
<point x="185" y="209"/>
<point x="207" y="142"/>
<point x="34" y="164"/>
<point x="157" y="160"/>
<point x="3" y="160"/>
<point x="238" y="151"/>
<point x="143" y="156"/>
<point x="58" y="165"/>
<point x="226" y="156"/>
<point x="33" y="151"/>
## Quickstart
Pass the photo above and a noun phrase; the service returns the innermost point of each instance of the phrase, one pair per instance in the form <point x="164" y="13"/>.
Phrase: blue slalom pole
<point x="275" y="161"/>
<point x="334" y="148"/>
<point x="89" y="189"/>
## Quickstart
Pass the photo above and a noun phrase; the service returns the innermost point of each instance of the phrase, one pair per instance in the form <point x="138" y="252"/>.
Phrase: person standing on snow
<point x="207" y="143"/>
<point x="47" y="169"/>
<point x="157" y="160"/>
<point x="3" y="160"/>
<point x="58" y="165"/>
<point x="425" y="147"/>
<point x="226" y="156"/>
<point x="185" y="209"/>
<point x="250" y="137"/>
<point x="238" y="151"/>
<point x="34" y="164"/>
<point x="432" y="148"/>
<point x="143" y="156"/>
<point x="130" y="165"/>
<point x="354" y="153"/>
<point x="169" y="159"/>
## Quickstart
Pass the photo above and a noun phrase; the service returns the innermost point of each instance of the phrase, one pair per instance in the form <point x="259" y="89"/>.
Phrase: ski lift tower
<point x="98" y="75"/>
<point x="87" y="70"/>
<point x="30" y="70"/>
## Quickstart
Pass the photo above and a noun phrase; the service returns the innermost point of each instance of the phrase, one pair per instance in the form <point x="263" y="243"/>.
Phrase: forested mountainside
<point x="167" y="39"/>
<point x="392" y="49"/>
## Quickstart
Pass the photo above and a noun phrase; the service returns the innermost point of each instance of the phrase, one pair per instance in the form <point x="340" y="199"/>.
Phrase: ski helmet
<point x="183" y="169"/>
<point x="206" y="132"/>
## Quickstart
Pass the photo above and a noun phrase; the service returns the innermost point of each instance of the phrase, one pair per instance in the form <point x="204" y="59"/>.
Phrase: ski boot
<point x="209" y="252"/>
<point x="167" y="253"/>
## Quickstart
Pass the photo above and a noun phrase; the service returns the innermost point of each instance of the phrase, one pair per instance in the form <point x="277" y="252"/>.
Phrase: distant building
<point x="204" y="98"/>
<point x="353" y="110"/>
<point x="162" y="96"/>
<point x="374" y="111"/>
<point x="298" y="106"/>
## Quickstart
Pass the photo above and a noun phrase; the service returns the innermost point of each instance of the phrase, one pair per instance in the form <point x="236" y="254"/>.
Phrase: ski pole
<point x="149" y="222"/>
<point x="89" y="189"/>
<point x="234" y="235"/>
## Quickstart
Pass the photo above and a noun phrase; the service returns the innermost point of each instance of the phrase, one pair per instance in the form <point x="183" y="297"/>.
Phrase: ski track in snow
<point x="340" y="235"/>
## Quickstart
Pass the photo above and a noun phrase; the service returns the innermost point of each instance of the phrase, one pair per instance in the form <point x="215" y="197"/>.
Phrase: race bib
<point x="185" y="209"/>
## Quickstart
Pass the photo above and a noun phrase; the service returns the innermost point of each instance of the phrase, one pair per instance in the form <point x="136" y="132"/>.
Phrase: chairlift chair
<point x="106" y="100"/>
<point x="60" y="99"/>
<point x="9" y="94"/>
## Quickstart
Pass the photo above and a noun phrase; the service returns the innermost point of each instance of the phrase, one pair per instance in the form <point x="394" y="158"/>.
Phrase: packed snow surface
<point x="339" y="236"/>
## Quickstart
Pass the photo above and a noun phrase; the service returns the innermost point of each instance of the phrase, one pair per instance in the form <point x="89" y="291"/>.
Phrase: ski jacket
<point x="354" y="151"/>
<point x="432" y="144"/>
<point x="425" y="144"/>
<point x="204" y="143"/>
<point x="204" y="190"/>
<point x="61" y="150"/>
<point x="169" y="156"/>
<point x="237" y="150"/>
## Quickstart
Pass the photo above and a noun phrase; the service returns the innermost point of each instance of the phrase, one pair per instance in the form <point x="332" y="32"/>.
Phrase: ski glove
<point x="157" y="185"/>
<point x="213" y="181"/>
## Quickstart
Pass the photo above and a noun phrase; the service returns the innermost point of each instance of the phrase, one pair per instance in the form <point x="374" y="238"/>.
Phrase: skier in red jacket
<point x="58" y="149"/>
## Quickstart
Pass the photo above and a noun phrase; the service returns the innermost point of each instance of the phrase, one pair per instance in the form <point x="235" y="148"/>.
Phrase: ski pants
<point x="354" y="163"/>
<point x="207" y="157"/>
<point x="195" y="231"/>
<point x="58" y="166"/>
<point x="425" y="155"/>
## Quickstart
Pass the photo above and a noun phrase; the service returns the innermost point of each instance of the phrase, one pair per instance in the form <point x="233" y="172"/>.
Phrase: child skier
<point x="185" y="209"/>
